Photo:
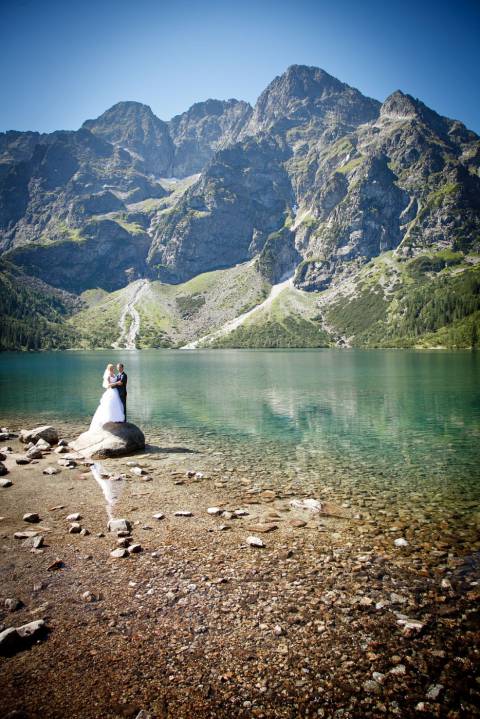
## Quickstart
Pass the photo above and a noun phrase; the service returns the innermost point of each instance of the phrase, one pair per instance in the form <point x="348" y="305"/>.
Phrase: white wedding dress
<point x="110" y="408"/>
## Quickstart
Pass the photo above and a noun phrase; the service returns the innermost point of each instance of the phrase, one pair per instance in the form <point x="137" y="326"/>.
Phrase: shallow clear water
<point x="393" y="430"/>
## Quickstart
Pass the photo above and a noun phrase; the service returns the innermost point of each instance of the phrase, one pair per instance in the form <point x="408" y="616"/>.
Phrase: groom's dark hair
<point x="120" y="365"/>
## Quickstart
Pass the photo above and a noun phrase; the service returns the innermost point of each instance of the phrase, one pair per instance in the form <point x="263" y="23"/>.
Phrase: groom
<point x="121" y="385"/>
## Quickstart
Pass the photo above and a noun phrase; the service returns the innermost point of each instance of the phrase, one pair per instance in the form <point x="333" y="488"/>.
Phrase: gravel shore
<point x="331" y="617"/>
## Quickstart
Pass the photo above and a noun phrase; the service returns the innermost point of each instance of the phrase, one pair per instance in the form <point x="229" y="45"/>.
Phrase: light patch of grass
<point x="350" y="166"/>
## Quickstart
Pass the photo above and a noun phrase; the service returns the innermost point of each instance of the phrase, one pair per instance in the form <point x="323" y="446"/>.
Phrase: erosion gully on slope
<point x="128" y="334"/>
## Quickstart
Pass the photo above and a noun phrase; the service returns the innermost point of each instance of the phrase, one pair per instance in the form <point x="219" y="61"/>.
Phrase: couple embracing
<point x="113" y="403"/>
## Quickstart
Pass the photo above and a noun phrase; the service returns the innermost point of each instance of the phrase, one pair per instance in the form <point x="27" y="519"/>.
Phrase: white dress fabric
<point x="110" y="408"/>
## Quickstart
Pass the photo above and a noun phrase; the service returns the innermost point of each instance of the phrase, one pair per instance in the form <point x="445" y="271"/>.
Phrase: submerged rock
<point x="113" y="440"/>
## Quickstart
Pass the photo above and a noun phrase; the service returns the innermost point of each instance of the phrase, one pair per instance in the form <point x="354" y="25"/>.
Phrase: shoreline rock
<point x="115" y="439"/>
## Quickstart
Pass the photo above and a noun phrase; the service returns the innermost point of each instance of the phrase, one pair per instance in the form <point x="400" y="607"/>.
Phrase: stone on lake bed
<point x="33" y="542"/>
<point x="135" y="549"/>
<point x="51" y="470"/>
<point x="297" y="523"/>
<point x="15" y="638"/>
<point x="75" y="528"/>
<point x="3" y="469"/>
<point x="34" y="453"/>
<point x="115" y="439"/>
<point x="5" y="482"/>
<point x="138" y="471"/>
<point x="313" y="505"/>
<point x="214" y="510"/>
<point x="183" y="513"/>
<point x="158" y="516"/>
<point x="75" y="517"/>
<point x="62" y="449"/>
<point x="119" y="525"/>
<point x="401" y="542"/>
<point x="410" y="626"/>
<point x="263" y="528"/>
<point x="46" y="432"/>
<point x="24" y="535"/>
<point x="31" y="629"/>
<point x="31" y="517"/>
<point x="255" y="542"/>
<point x="12" y="604"/>
<point x="22" y="460"/>
<point x="41" y="444"/>
<point x="119" y="553"/>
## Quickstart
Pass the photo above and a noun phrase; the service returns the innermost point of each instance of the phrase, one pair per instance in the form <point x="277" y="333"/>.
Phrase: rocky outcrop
<point x="203" y="129"/>
<point x="226" y="217"/>
<point x="133" y="127"/>
<point x="115" y="439"/>
<point x="105" y="256"/>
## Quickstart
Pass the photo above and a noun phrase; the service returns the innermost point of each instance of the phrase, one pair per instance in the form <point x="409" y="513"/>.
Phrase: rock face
<point x="203" y="129"/>
<point x="115" y="439"/>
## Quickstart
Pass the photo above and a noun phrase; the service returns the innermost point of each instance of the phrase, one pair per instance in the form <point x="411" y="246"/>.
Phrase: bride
<point x="110" y="408"/>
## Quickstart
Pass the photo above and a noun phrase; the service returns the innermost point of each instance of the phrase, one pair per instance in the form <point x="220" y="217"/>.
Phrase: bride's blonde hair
<point x="106" y="374"/>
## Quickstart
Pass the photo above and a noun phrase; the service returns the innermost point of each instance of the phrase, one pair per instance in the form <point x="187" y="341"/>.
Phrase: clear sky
<point x="64" y="62"/>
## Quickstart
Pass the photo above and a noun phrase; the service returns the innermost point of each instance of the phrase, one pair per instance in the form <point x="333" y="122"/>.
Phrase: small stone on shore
<point x="31" y="517"/>
<point x="255" y="542"/>
<point x="51" y="470"/>
<point x="119" y="525"/>
<point x="75" y="517"/>
<point x="34" y="542"/>
<point x="12" y="604"/>
<point x="135" y="549"/>
<point x="263" y="528"/>
<point x="5" y="482"/>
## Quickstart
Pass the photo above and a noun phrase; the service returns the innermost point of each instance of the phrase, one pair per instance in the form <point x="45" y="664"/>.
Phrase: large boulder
<point x="48" y="433"/>
<point x="113" y="440"/>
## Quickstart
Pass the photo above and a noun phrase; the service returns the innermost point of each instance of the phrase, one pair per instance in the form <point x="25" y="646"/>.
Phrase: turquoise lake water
<point x="403" y="425"/>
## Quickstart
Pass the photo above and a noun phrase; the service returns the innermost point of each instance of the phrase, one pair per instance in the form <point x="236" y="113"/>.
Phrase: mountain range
<point x="318" y="217"/>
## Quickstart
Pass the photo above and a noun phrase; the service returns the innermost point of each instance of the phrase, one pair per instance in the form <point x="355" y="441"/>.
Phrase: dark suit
<point x="122" y="390"/>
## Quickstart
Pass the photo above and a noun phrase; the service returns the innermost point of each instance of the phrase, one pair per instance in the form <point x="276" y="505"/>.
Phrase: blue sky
<point x="64" y="62"/>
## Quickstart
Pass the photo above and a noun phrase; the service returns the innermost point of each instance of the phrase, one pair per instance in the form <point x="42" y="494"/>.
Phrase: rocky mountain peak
<point x="134" y="126"/>
<point x="302" y="94"/>
<point x="400" y="106"/>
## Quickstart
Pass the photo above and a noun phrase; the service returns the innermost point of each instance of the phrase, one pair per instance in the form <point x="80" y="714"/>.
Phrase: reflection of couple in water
<point x="113" y="403"/>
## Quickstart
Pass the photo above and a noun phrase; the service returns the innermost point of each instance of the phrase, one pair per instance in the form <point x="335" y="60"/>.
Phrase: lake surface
<point x="396" y="432"/>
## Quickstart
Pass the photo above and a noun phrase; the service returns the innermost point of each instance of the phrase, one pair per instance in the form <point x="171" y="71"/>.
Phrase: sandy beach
<point x="330" y="618"/>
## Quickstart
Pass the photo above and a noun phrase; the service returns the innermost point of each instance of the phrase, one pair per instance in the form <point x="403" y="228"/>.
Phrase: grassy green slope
<point x="291" y="320"/>
<point x="429" y="301"/>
